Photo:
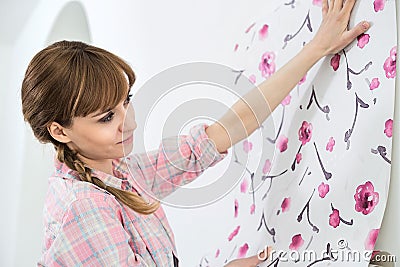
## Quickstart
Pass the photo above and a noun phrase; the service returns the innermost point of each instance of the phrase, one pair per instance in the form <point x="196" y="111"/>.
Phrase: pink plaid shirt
<point x="87" y="226"/>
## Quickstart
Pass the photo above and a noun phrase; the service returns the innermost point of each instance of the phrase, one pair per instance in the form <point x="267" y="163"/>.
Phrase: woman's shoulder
<point x="63" y="193"/>
<point x="70" y="202"/>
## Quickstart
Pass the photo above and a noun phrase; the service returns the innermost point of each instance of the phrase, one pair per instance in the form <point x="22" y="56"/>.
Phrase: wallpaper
<point x="314" y="188"/>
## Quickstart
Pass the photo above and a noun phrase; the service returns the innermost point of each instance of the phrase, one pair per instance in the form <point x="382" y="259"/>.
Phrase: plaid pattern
<point x="87" y="226"/>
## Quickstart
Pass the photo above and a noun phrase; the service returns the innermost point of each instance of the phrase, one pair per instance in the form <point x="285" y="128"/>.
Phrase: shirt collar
<point x="119" y="180"/>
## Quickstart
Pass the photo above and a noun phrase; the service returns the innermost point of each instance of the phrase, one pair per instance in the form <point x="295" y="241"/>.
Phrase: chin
<point x="128" y="148"/>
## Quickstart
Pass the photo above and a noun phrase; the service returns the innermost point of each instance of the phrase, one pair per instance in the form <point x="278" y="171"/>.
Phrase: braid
<point x="132" y="200"/>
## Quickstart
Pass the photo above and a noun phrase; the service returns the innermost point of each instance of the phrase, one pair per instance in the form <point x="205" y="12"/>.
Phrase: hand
<point x="333" y="35"/>
<point x="252" y="261"/>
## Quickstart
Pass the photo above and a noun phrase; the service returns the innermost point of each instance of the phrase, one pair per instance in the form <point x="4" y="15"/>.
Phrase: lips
<point x="127" y="140"/>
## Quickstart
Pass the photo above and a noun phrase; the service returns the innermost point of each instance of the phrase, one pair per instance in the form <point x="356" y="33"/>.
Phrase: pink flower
<point x="236" y="208"/>
<point x="243" y="186"/>
<point x="379" y="5"/>
<point x="317" y="2"/>
<point x="243" y="251"/>
<point x="236" y="47"/>
<point x="285" y="204"/>
<point x="366" y="198"/>
<point x="302" y="80"/>
<point x="334" y="218"/>
<point x="331" y="144"/>
<point x="234" y="233"/>
<point x="389" y="128"/>
<point x="252" y="208"/>
<point x="281" y="143"/>
<point x="253" y="78"/>
<point x="267" y="64"/>
<point x="363" y="40"/>
<point x="263" y="33"/>
<point x="371" y="239"/>
<point x="217" y="253"/>
<point x="335" y="62"/>
<point x="247" y="146"/>
<point x="305" y="132"/>
<point x="286" y="100"/>
<point x="393" y="53"/>
<point x="299" y="156"/>
<point x="374" y="84"/>
<point x="267" y="166"/>
<point x="297" y="242"/>
<point x="390" y="64"/>
<point x="323" y="189"/>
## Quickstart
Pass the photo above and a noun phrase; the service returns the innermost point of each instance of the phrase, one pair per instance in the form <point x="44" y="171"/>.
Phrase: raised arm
<point x="248" y="113"/>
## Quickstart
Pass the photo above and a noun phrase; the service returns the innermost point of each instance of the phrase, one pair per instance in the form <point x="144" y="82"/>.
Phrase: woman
<point x="101" y="207"/>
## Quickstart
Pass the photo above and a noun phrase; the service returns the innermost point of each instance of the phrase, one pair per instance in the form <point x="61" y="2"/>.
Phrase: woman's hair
<point x="72" y="79"/>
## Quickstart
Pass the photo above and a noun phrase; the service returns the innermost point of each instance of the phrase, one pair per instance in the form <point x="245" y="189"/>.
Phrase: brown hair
<point x="72" y="79"/>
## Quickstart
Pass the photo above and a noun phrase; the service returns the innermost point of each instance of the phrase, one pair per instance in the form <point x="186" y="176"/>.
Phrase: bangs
<point x="105" y="81"/>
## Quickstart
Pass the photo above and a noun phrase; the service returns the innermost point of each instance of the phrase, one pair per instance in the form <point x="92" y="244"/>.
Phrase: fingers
<point x="269" y="250"/>
<point x="338" y="5"/>
<point x="360" y="28"/>
<point x="348" y="7"/>
<point x="261" y="254"/>
<point x="325" y="8"/>
<point x="331" y="4"/>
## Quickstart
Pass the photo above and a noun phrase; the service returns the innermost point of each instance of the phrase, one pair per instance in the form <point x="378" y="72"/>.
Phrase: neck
<point x="100" y="165"/>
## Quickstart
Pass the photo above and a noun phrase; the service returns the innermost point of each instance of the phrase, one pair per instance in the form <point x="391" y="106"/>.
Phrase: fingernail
<point x="366" y="25"/>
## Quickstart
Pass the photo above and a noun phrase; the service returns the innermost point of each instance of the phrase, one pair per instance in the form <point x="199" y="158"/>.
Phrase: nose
<point x="128" y="123"/>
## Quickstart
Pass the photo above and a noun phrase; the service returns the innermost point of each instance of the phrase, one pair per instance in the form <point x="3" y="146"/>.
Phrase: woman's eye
<point x="108" y="117"/>
<point x="128" y="99"/>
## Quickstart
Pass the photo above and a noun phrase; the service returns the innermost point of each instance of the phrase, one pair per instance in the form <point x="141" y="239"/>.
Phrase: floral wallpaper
<point x="324" y="188"/>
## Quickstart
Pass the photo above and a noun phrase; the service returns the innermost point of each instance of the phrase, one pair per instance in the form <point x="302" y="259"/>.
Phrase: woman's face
<point x="105" y="135"/>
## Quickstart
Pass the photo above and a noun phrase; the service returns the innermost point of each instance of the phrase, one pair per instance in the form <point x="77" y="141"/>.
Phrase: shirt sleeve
<point x="92" y="235"/>
<point x="177" y="161"/>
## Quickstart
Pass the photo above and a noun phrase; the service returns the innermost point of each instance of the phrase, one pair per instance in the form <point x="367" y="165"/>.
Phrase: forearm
<point x="249" y="112"/>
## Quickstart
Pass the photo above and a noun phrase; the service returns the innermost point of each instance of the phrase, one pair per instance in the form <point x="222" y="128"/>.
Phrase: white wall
<point x="10" y="176"/>
<point x="69" y="23"/>
<point x="151" y="37"/>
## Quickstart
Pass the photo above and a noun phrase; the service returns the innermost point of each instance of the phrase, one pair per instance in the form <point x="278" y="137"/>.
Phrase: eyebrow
<point x="101" y="112"/>
<point x="108" y="110"/>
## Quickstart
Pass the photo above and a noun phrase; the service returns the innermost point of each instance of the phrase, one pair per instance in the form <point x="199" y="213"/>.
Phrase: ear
<point x="58" y="132"/>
